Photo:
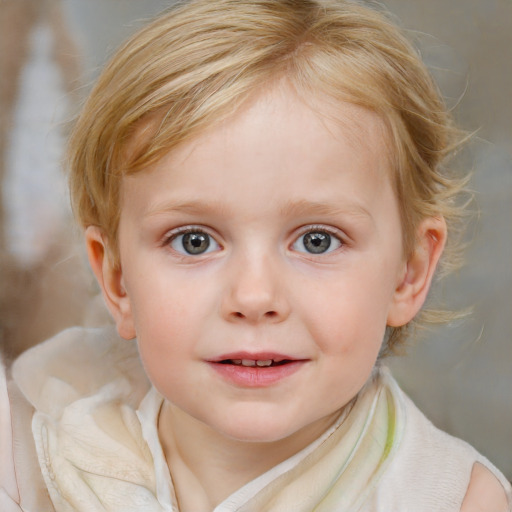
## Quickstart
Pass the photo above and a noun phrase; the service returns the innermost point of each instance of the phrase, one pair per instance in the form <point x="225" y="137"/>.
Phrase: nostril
<point x="268" y="314"/>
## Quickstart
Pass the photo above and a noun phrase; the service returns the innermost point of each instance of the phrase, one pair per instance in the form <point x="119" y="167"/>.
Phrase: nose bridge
<point x="255" y="291"/>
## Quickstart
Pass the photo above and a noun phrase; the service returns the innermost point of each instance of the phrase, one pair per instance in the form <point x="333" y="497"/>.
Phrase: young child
<point x="264" y="203"/>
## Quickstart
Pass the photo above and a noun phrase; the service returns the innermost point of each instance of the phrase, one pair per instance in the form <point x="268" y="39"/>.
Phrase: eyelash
<point x="169" y="237"/>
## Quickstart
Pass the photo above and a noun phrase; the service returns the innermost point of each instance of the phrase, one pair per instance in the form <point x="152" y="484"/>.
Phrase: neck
<point x="207" y="467"/>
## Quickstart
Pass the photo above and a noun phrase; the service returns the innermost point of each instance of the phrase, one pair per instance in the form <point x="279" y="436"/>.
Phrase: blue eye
<point x="317" y="242"/>
<point x="193" y="243"/>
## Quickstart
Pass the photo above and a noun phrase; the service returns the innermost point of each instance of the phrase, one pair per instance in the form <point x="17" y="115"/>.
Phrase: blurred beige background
<point x="50" y="52"/>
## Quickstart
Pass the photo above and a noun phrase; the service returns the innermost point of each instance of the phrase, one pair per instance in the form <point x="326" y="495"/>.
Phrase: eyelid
<point x="337" y="233"/>
<point x="189" y="228"/>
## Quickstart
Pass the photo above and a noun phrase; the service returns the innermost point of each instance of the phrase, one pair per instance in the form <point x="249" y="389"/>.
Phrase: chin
<point x="254" y="430"/>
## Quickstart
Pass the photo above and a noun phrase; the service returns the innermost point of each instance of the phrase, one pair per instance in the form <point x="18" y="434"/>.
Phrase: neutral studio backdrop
<point x="50" y="52"/>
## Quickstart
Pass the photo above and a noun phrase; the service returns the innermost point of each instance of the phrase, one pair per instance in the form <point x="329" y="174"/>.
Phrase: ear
<point x="110" y="278"/>
<point x="416" y="279"/>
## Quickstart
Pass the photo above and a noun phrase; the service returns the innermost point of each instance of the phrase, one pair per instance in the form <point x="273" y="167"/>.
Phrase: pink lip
<point x="254" y="376"/>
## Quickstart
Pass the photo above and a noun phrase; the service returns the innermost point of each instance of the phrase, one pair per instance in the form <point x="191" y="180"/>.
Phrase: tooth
<point x="266" y="362"/>
<point x="236" y="361"/>
<point x="248" y="362"/>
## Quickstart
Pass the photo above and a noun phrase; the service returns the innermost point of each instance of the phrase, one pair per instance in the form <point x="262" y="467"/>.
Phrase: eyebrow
<point x="299" y="208"/>
<point x="188" y="207"/>
<point x="304" y="207"/>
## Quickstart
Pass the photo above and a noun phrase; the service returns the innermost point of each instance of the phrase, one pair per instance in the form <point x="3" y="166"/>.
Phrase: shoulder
<point x="432" y="470"/>
<point x="485" y="493"/>
<point x="84" y="387"/>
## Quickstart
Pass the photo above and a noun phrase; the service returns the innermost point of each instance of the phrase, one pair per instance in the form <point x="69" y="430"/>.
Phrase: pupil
<point x="196" y="243"/>
<point x="317" y="243"/>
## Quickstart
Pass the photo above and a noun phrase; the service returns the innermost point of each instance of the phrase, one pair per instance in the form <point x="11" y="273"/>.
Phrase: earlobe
<point x="420" y="267"/>
<point x="110" y="278"/>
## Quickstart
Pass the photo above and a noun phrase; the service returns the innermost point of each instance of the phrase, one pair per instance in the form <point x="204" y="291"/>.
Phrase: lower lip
<point x="254" y="376"/>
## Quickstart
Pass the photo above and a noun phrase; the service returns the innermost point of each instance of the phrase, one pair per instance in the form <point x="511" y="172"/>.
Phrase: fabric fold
<point x="94" y="458"/>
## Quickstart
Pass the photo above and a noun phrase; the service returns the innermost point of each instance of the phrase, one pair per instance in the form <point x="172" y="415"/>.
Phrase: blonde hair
<point x="194" y="65"/>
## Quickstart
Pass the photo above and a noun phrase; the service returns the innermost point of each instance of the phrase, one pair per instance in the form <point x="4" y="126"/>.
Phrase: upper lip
<point x="255" y="356"/>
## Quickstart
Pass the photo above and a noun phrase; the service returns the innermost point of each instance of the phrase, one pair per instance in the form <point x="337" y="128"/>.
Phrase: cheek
<point x="171" y="317"/>
<point x="166" y="342"/>
<point x="167" y="300"/>
<point x="349" y="319"/>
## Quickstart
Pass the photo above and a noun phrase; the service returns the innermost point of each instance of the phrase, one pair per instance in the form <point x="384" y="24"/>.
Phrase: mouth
<point x="256" y="370"/>
<point x="259" y="363"/>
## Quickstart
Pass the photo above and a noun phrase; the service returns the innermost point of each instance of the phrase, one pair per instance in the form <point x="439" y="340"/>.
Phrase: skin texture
<point x="485" y="493"/>
<point x="255" y="185"/>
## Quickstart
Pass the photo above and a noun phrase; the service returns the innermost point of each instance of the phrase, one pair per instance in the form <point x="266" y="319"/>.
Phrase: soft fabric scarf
<point x="86" y="387"/>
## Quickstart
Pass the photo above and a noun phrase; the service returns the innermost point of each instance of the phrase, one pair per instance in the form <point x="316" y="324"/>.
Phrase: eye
<point x="317" y="241"/>
<point x="193" y="242"/>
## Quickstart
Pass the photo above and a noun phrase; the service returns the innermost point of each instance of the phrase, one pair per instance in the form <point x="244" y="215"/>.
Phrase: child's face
<point x="274" y="236"/>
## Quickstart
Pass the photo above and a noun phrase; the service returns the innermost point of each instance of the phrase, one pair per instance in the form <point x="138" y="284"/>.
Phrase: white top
<point x="95" y="434"/>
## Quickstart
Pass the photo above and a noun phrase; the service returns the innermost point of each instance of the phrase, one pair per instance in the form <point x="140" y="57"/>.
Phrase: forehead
<point x="276" y="138"/>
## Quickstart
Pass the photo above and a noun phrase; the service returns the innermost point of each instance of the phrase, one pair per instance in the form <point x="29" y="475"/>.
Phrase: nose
<point x="255" y="292"/>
